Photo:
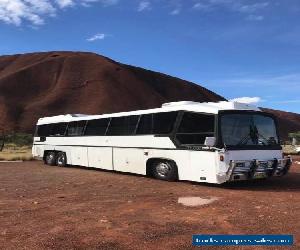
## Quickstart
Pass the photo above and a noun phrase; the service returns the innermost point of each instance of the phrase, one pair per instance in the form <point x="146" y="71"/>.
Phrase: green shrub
<point x="295" y="135"/>
<point x="19" y="139"/>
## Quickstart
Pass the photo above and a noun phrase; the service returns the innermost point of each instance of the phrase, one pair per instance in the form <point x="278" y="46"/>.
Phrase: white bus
<point x="201" y="142"/>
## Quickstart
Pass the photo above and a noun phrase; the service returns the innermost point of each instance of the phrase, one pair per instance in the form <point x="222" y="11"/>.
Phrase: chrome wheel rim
<point x="50" y="158"/>
<point x="60" y="160"/>
<point x="163" y="169"/>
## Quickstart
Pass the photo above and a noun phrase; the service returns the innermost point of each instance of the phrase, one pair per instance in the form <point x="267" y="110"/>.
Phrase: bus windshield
<point x="248" y="130"/>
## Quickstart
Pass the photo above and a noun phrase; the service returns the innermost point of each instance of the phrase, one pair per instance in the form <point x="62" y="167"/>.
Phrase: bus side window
<point x="76" y="128"/>
<point x="122" y="125"/>
<point x="131" y="124"/>
<point x="157" y="123"/>
<point x="194" y="128"/>
<point x="58" y="129"/>
<point x="145" y="125"/>
<point x="96" y="127"/>
<point x="44" y="130"/>
<point x="163" y="123"/>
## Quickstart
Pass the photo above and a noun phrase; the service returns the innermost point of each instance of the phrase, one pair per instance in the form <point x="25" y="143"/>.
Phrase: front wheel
<point x="61" y="159"/>
<point x="165" y="170"/>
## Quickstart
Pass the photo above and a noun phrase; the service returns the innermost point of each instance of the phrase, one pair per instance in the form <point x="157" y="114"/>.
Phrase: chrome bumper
<point x="257" y="169"/>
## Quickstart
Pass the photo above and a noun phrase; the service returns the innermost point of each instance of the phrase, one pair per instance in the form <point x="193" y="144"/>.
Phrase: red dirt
<point x="73" y="208"/>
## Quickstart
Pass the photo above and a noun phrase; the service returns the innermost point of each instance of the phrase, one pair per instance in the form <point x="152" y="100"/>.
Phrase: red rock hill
<point x="44" y="84"/>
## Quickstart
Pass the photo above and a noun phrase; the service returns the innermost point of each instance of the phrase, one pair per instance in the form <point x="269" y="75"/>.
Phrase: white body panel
<point x="254" y="154"/>
<point x="100" y="157"/>
<point x="79" y="156"/>
<point x="129" y="160"/>
<point x="149" y="141"/>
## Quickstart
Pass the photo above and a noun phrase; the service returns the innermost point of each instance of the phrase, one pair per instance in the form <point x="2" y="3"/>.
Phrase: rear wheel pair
<point x="164" y="170"/>
<point x="56" y="159"/>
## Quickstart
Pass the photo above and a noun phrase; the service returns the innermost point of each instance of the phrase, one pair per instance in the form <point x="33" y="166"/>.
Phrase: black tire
<point x="61" y="159"/>
<point x="50" y="158"/>
<point x="165" y="170"/>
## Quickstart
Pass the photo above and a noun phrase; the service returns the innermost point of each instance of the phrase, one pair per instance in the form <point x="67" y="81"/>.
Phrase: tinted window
<point x="58" y="129"/>
<point x="97" y="127"/>
<point x="163" y="123"/>
<point x="145" y="125"/>
<point x="194" y="128"/>
<point x="76" y="128"/>
<point x="44" y="130"/>
<point x="197" y="123"/>
<point x="158" y="123"/>
<point x="132" y="123"/>
<point x="122" y="125"/>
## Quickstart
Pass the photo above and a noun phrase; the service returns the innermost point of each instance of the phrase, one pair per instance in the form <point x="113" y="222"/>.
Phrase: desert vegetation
<point x="16" y="147"/>
<point x="295" y="136"/>
<point x="290" y="146"/>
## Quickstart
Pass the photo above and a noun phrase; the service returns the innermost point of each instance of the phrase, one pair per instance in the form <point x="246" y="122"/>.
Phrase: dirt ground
<point x="72" y="208"/>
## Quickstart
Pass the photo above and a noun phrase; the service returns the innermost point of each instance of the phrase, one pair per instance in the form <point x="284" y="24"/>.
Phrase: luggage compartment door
<point x="129" y="160"/>
<point x="79" y="156"/>
<point x="100" y="157"/>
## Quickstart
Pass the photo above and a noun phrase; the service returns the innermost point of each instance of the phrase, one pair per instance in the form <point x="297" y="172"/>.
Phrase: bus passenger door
<point x="129" y="160"/>
<point x="100" y="157"/>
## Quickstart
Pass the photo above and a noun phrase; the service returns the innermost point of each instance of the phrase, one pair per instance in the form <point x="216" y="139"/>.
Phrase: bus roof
<point x="203" y="107"/>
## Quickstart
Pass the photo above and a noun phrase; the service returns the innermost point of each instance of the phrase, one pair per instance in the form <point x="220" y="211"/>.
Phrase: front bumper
<point x="257" y="169"/>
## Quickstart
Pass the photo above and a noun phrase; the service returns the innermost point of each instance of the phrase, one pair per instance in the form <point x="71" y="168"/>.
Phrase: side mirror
<point x="210" y="141"/>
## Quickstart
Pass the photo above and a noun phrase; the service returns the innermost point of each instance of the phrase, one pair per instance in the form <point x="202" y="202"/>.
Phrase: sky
<point x="246" y="50"/>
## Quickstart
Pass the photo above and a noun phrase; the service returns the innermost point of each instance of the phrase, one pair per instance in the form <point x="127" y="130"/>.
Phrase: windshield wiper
<point x="254" y="135"/>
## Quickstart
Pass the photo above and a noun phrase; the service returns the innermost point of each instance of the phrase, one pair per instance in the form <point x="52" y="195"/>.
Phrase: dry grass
<point x="12" y="152"/>
<point x="289" y="149"/>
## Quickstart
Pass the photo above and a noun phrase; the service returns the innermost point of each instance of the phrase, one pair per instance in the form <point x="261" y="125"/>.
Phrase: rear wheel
<point x="165" y="170"/>
<point x="50" y="158"/>
<point x="61" y="159"/>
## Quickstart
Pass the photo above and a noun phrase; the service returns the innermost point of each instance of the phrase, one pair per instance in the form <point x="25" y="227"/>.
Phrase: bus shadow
<point x="107" y="171"/>
<point x="288" y="183"/>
